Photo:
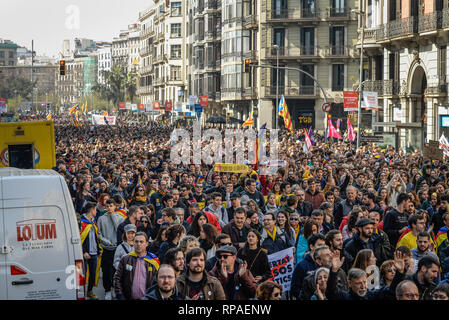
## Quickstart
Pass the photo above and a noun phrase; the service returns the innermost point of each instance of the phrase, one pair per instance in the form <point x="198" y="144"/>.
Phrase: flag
<point x="338" y="125"/>
<point x="49" y="116"/>
<point x="351" y="133"/>
<point x="73" y="109"/>
<point x="444" y="144"/>
<point x="311" y="136"/>
<point x="87" y="108"/>
<point x="104" y="113"/>
<point x="307" y="140"/>
<point x="283" y="112"/>
<point x="83" y="107"/>
<point x="249" y="122"/>
<point x="332" y="132"/>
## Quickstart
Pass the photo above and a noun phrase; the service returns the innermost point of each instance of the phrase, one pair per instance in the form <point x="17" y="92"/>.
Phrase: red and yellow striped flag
<point x="249" y="122"/>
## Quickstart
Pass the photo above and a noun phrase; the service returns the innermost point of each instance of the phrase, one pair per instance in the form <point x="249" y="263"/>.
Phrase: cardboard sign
<point x="433" y="151"/>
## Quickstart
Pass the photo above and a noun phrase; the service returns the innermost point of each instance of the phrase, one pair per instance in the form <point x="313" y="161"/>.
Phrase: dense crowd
<point x="367" y="224"/>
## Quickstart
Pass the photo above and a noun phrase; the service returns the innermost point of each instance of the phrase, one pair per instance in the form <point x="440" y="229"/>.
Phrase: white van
<point x="41" y="255"/>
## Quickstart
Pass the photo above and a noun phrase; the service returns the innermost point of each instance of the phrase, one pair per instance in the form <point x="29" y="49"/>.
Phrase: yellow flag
<point x="249" y="122"/>
<point x="49" y="116"/>
<point x="87" y="108"/>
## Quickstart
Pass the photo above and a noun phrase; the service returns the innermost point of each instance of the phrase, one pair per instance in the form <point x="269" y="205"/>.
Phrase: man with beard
<point x="396" y="220"/>
<point x="196" y="283"/>
<point x="423" y="248"/>
<point x="175" y="258"/>
<point x="165" y="287"/>
<point x="334" y="240"/>
<point x="425" y="277"/>
<point x="365" y="238"/>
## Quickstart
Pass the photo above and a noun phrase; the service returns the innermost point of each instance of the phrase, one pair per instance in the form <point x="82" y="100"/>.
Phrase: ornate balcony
<point x="374" y="86"/>
<point x="293" y="15"/>
<point x="145" y="51"/>
<point x="340" y="51"/>
<point x="391" y="87"/>
<point x="439" y="89"/>
<point x="338" y="14"/>
<point x="250" y="21"/>
<point x="430" y="22"/>
<point x="398" y="29"/>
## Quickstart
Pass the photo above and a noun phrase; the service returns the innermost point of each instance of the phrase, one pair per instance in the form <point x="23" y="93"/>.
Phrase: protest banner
<point x="103" y="120"/>
<point x="231" y="167"/>
<point x="282" y="266"/>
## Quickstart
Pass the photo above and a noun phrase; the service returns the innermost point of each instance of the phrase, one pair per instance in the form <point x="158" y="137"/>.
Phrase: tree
<point x="114" y="85"/>
<point x="16" y="87"/>
<point x="131" y="85"/>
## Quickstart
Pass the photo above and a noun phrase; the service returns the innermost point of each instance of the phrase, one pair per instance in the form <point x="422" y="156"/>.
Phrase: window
<point x="2" y="54"/>
<point x="11" y="54"/>
<point x="279" y="9"/>
<point x="176" y="9"/>
<point x="175" y="52"/>
<point x="337" y="39"/>
<point x="308" y="8"/>
<point x="175" y="72"/>
<point x="279" y="37"/>
<point x="307" y="41"/>
<point x="338" y="77"/>
<point x="175" y="30"/>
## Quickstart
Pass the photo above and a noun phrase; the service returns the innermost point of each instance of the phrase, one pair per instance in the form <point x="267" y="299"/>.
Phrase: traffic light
<point x="62" y="68"/>
<point x="246" y="65"/>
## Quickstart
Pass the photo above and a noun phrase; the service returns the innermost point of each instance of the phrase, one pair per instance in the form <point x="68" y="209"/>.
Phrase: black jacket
<point x="393" y="222"/>
<point x="121" y="230"/>
<point x="309" y="284"/>
<point x="334" y="293"/>
<point x="304" y="209"/>
<point x="375" y="243"/>
<point x="425" y="291"/>
<point x="342" y="209"/>
<point x="154" y="294"/>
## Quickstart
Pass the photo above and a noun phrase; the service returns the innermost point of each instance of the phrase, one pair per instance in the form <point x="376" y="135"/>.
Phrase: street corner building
<point x="405" y="45"/>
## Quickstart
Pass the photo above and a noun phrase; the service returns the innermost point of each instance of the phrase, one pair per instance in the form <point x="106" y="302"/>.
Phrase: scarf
<point x="272" y="236"/>
<point x="141" y="198"/>
<point x="297" y="229"/>
<point x="150" y="258"/>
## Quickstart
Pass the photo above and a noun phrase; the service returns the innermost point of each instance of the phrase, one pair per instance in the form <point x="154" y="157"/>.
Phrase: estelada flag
<point x="249" y="122"/>
<point x="351" y="133"/>
<point x="332" y="132"/>
<point x="49" y="116"/>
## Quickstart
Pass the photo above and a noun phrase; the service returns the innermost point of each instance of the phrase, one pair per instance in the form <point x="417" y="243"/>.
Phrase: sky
<point x="49" y="22"/>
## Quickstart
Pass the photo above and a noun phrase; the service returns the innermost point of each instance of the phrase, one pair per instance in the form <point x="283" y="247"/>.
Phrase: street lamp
<point x="359" y="111"/>
<point x="277" y="85"/>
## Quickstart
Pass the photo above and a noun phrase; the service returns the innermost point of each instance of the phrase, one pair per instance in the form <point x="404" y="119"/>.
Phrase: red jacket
<point x="316" y="199"/>
<point x="210" y="218"/>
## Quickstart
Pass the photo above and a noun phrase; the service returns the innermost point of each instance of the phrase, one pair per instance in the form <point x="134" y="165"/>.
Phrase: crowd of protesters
<point x="367" y="224"/>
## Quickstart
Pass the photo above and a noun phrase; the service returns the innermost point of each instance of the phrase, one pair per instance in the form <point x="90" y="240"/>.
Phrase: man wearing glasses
<point x="199" y="195"/>
<point x="220" y="241"/>
<point x="237" y="281"/>
<point x="156" y="198"/>
<point x="165" y="287"/>
<point x="272" y="238"/>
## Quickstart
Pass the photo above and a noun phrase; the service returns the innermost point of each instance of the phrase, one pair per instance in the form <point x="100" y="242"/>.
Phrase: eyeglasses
<point x="277" y="294"/>
<point x="223" y="256"/>
<point x="391" y="270"/>
<point x="294" y="219"/>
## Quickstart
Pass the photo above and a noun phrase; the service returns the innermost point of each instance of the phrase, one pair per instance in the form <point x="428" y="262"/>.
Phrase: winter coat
<point x="212" y="288"/>
<point x="280" y="242"/>
<point x="375" y="243"/>
<point x="124" y="276"/>
<point x="315" y="199"/>
<point x="302" y="269"/>
<point x="309" y="285"/>
<point x="154" y="294"/>
<point x="232" y="230"/>
<point x="425" y="291"/>
<point x="245" y="286"/>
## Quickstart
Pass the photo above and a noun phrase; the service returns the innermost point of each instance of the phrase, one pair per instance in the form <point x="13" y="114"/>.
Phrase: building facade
<point x="8" y="53"/>
<point x="163" y="42"/>
<point x="104" y="57"/>
<point x="125" y="48"/>
<point x="406" y="47"/>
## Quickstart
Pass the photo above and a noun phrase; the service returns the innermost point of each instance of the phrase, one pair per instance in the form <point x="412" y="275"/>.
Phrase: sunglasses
<point x="223" y="256"/>
<point x="391" y="270"/>
<point x="144" y="221"/>
<point x="294" y="219"/>
<point x="277" y="294"/>
<point x="225" y="243"/>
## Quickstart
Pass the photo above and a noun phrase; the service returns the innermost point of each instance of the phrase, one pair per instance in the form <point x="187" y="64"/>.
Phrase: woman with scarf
<point x="208" y="234"/>
<point x="139" y="198"/>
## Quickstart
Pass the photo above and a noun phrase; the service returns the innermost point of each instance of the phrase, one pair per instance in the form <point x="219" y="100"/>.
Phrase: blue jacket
<point x="304" y="267"/>
<point x="302" y="247"/>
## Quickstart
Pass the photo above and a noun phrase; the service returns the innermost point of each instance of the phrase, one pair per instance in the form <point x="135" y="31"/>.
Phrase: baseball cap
<point x="130" y="228"/>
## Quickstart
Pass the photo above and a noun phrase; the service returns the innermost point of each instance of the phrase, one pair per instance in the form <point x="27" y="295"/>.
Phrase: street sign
<point x="376" y="139"/>
<point x="192" y="100"/>
<point x="350" y="101"/>
<point x="168" y="106"/>
<point x="198" y="108"/>
<point x="326" y="107"/>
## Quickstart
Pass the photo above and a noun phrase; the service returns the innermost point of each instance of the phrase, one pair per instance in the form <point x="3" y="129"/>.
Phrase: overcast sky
<point x="49" y="22"/>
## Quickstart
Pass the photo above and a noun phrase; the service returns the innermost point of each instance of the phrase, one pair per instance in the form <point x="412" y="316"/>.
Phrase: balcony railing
<point x="438" y="88"/>
<point x="339" y="13"/>
<point x="146" y="69"/>
<point x="430" y="21"/>
<point x="295" y="14"/>
<point x="250" y="20"/>
<point x="391" y="87"/>
<point x="339" y="51"/>
<point x="291" y="91"/>
<point x="145" y="51"/>
<point x="374" y="86"/>
<point x="398" y="28"/>
<point x="211" y="5"/>
<point x="250" y="92"/>
<point x="296" y="53"/>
